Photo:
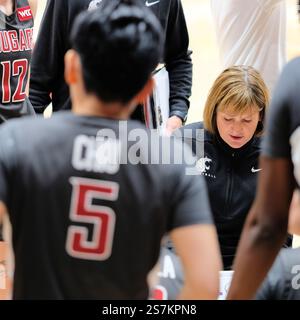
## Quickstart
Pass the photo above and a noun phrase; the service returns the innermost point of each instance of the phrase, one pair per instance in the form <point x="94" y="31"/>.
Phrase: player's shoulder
<point x="291" y="71"/>
<point x="18" y="124"/>
<point x="289" y="257"/>
<point x="29" y="126"/>
<point x="18" y="132"/>
<point x="293" y="62"/>
<point x="283" y="274"/>
<point x="286" y="92"/>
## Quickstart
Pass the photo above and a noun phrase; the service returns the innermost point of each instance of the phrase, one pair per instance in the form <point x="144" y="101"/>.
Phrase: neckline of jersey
<point x="68" y="114"/>
<point x="13" y="13"/>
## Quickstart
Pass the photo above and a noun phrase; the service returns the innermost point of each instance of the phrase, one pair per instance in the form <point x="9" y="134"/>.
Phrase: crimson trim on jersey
<point x="24" y="13"/>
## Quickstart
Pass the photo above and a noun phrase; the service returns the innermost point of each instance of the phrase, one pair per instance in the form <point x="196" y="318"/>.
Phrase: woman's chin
<point x="235" y="144"/>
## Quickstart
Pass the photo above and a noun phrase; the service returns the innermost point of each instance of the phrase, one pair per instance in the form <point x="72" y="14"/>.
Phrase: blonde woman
<point x="233" y="122"/>
<point x="227" y="152"/>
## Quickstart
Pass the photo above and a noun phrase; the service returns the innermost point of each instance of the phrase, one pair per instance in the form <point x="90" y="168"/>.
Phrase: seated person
<point x="228" y="151"/>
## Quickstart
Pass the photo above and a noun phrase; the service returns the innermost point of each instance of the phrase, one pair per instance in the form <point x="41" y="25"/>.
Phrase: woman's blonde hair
<point x="237" y="88"/>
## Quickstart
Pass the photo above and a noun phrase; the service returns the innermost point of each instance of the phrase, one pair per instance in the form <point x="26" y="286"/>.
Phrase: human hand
<point x="173" y="124"/>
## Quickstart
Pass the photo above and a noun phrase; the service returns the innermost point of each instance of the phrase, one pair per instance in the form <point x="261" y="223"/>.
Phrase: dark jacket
<point x="47" y="68"/>
<point x="231" y="176"/>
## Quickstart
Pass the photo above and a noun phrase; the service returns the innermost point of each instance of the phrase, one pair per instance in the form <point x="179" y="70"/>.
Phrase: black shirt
<point x="84" y="224"/>
<point x="283" y="125"/>
<point x="283" y="280"/>
<point x="53" y="42"/>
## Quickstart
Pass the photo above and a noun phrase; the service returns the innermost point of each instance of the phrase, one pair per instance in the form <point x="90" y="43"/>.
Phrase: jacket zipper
<point x="229" y="187"/>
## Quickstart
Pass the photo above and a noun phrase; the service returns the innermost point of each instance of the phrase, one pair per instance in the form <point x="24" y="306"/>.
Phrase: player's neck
<point x="91" y="106"/>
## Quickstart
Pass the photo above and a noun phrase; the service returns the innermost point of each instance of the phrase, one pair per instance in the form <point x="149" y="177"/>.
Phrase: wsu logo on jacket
<point x="203" y="166"/>
<point x="94" y="4"/>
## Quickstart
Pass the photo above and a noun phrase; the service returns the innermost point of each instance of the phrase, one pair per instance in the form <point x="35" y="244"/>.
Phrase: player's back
<point x="85" y="226"/>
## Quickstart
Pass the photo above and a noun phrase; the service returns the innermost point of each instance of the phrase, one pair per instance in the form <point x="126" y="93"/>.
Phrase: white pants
<point x="252" y="32"/>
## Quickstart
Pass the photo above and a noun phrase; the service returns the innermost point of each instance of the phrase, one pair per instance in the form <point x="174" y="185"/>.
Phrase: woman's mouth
<point x="236" y="138"/>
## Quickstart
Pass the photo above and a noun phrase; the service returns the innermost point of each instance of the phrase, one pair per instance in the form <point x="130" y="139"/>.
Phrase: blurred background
<point x="204" y="47"/>
<point x="205" y="53"/>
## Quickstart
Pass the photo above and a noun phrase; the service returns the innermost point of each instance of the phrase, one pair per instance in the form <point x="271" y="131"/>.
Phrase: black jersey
<point x="283" y="280"/>
<point x="16" y="33"/>
<point x="283" y="126"/>
<point x="84" y="225"/>
<point x="47" y="70"/>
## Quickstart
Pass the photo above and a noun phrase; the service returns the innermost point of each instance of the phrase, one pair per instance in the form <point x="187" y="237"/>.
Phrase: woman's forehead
<point x="234" y="111"/>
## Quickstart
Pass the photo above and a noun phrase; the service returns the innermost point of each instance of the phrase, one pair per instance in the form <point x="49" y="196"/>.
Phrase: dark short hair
<point x="119" y="44"/>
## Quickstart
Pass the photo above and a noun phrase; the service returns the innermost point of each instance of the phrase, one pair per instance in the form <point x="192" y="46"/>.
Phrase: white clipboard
<point x="161" y="95"/>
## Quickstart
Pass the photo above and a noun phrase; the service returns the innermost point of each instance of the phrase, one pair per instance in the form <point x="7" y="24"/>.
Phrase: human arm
<point x="47" y="65"/>
<point x="294" y="214"/>
<point x="197" y="247"/>
<point x="33" y="6"/>
<point x="179" y="65"/>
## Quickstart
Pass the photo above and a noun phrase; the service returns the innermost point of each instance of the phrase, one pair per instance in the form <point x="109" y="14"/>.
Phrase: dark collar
<point x="236" y="153"/>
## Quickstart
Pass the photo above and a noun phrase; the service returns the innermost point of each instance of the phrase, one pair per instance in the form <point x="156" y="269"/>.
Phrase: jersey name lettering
<point x="93" y="155"/>
<point x="14" y="41"/>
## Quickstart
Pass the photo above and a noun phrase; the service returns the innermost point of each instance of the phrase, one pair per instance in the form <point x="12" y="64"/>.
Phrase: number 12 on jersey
<point x="17" y="68"/>
<point x="102" y="219"/>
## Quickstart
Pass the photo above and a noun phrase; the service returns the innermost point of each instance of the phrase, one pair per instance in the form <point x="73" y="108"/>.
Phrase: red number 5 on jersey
<point x="101" y="217"/>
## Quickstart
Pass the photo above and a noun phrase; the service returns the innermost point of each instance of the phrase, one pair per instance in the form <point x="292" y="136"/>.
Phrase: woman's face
<point x="237" y="129"/>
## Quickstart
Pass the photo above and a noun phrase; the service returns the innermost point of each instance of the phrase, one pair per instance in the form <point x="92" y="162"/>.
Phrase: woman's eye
<point x="247" y="120"/>
<point x="227" y="119"/>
